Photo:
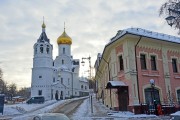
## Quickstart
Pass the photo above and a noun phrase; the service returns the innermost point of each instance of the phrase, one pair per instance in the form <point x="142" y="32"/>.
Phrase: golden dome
<point x="43" y="25"/>
<point x="64" y="39"/>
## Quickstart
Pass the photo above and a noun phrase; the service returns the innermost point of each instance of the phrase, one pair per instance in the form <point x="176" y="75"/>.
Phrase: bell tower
<point x="42" y="71"/>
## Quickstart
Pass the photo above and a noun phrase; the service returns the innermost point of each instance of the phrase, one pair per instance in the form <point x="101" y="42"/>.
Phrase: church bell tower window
<point x="63" y="50"/>
<point x="47" y="49"/>
<point x="41" y="48"/>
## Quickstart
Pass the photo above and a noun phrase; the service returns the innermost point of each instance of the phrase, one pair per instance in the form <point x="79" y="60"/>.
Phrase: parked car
<point x="38" y="100"/>
<point x="51" y="116"/>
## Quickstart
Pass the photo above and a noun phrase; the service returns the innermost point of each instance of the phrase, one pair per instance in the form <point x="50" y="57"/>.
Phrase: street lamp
<point x="170" y="20"/>
<point x="174" y="16"/>
<point x="88" y="58"/>
<point x="72" y="70"/>
<point x="152" y="83"/>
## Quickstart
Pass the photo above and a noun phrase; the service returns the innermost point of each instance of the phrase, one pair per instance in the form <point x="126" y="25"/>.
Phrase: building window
<point x="143" y="61"/>
<point x="62" y="62"/>
<point x="63" y="50"/>
<point x="41" y="48"/>
<point x="68" y="81"/>
<point x="121" y="67"/>
<point x="174" y="65"/>
<point x="39" y="92"/>
<point x="54" y="79"/>
<point x="85" y="87"/>
<point x="153" y="63"/>
<point x="81" y="86"/>
<point x="178" y="96"/>
<point x="47" y="49"/>
<point x="40" y="76"/>
<point x="61" y="80"/>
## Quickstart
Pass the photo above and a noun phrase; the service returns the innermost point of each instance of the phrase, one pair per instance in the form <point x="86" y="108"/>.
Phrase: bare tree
<point x="171" y="9"/>
<point x="1" y="74"/>
<point x="12" y="89"/>
<point x="3" y="84"/>
<point x="24" y="92"/>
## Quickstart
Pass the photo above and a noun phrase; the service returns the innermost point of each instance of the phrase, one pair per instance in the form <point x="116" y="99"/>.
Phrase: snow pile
<point x="21" y="108"/>
<point x="176" y="113"/>
<point x="127" y="114"/>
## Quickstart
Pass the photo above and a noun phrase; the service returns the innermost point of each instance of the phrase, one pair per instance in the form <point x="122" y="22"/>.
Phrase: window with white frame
<point x="143" y="61"/>
<point x="153" y="62"/>
<point x="121" y="66"/>
<point x="174" y="65"/>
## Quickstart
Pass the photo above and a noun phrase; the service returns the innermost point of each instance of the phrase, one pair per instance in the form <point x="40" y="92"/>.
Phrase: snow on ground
<point x="176" y="113"/>
<point x="44" y="109"/>
<point x="82" y="111"/>
<point x="22" y="111"/>
<point x="21" y="108"/>
<point x="101" y="112"/>
<point x="128" y="114"/>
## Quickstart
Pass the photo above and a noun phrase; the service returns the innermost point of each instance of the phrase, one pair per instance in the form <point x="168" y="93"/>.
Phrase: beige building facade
<point x="132" y="59"/>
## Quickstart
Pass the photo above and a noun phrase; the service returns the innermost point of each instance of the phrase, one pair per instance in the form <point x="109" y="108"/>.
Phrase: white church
<point x="59" y="76"/>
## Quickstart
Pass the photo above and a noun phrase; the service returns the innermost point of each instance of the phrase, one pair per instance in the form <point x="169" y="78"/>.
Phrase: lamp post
<point x="152" y="83"/>
<point x="173" y="17"/>
<point x="72" y="80"/>
<point x="109" y="78"/>
<point x="89" y="59"/>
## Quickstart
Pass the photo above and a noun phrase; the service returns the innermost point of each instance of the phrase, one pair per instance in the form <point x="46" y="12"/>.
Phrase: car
<point x="37" y="99"/>
<point x="51" y="116"/>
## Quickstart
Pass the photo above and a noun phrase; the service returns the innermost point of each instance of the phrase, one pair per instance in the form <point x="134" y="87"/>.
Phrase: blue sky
<point x="90" y="24"/>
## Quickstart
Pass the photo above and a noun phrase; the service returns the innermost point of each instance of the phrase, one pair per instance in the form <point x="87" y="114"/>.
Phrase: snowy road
<point x="83" y="112"/>
<point x="75" y="109"/>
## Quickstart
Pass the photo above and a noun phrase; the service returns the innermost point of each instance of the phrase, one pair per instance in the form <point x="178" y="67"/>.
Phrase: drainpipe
<point x="109" y="79"/>
<point x="137" y="67"/>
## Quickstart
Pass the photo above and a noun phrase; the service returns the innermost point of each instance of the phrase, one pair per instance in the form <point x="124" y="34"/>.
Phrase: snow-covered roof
<point x="83" y="79"/>
<point x="145" y="33"/>
<point x="115" y="84"/>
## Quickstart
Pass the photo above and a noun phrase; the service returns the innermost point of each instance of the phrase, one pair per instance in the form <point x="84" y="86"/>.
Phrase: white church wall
<point x="64" y="49"/>
<point x="42" y="62"/>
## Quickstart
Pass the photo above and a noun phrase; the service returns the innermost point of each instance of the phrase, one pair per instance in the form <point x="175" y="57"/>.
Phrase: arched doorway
<point x="57" y="95"/>
<point x="150" y="94"/>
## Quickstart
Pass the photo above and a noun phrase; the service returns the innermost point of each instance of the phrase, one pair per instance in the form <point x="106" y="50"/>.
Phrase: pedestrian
<point x="159" y="109"/>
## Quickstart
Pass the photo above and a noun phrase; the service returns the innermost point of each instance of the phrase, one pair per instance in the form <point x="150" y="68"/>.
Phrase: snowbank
<point x="128" y="114"/>
<point x="176" y="113"/>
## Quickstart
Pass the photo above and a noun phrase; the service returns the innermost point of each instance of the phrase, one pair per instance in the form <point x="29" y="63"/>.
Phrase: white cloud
<point x="89" y="23"/>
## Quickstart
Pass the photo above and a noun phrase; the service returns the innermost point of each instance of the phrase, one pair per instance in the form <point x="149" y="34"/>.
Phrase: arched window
<point x="41" y="48"/>
<point x="63" y="50"/>
<point x="81" y="86"/>
<point x="178" y="96"/>
<point x="47" y="49"/>
<point x="152" y="94"/>
<point x="62" y="62"/>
